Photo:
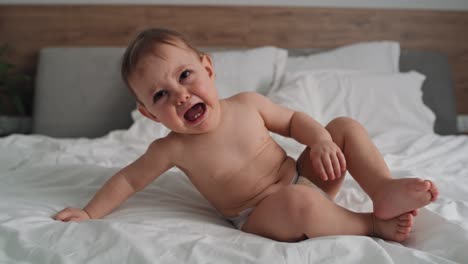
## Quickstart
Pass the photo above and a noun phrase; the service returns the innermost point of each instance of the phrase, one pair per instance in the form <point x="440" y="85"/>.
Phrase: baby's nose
<point x="183" y="99"/>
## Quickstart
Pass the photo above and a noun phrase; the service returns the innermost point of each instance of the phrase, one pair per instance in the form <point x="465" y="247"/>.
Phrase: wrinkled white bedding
<point x="170" y="222"/>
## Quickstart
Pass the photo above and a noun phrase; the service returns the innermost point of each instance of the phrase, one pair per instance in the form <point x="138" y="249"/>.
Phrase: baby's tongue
<point x="194" y="112"/>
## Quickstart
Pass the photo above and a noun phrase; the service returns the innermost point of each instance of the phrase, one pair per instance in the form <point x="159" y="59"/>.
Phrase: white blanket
<point x="170" y="222"/>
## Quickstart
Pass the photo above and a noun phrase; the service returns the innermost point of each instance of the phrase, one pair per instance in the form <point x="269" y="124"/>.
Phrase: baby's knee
<point x="343" y="123"/>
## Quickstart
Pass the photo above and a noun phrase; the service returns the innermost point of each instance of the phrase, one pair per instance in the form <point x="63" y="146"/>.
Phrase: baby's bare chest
<point x="231" y="148"/>
<point x="241" y="156"/>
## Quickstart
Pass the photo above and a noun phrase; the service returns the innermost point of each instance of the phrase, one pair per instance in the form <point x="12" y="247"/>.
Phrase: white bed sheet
<point x="170" y="222"/>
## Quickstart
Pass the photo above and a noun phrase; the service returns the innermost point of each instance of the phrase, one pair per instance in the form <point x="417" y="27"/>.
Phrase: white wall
<point x="406" y="4"/>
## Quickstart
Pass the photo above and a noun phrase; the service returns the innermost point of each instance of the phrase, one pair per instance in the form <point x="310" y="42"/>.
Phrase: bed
<point x="85" y="129"/>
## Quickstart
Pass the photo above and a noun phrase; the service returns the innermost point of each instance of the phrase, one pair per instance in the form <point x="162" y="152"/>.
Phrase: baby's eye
<point x="184" y="75"/>
<point x="159" y="95"/>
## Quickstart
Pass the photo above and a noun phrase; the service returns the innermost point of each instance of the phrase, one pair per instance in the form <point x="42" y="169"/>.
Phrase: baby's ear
<point x="142" y="109"/>
<point x="205" y="60"/>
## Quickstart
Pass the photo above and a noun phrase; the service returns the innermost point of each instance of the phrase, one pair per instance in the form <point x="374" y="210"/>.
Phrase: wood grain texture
<point x="28" y="28"/>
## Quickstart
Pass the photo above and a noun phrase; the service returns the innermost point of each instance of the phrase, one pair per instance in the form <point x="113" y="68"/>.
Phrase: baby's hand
<point x="327" y="160"/>
<point x="72" y="214"/>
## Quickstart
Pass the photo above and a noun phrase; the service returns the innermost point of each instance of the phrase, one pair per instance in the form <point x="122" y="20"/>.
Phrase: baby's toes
<point x="415" y="212"/>
<point x="400" y="237"/>
<point x="404" y="229"/>
<point x="420" y="185"/>
<point x="434" y="192"/>
<point x="406" y="217"/>
<point x="405" y="223"/>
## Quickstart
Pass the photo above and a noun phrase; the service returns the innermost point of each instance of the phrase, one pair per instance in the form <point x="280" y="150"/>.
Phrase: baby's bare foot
<point x="395" y="229"/>
<point x="400" y="196"/>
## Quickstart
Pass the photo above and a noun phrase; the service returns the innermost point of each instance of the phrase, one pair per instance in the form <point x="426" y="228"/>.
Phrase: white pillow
<point x="379" y="101"/>
<point x="295" y="94"/>
<point x="259" y="69"/>
<point x="380" y="56"/>
<point x="145" y="130"/>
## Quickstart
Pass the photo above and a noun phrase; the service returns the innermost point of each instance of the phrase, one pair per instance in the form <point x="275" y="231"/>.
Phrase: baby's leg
<point x="298" y="212"/>
<point x="304" y="166"/>
<point x="391" y="197"/>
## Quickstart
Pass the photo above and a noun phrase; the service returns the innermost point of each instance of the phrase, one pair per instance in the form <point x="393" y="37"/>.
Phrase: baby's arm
<point x="123" y="184"/>
<point x="326" y="157"/>
<point x="328" y="160"/>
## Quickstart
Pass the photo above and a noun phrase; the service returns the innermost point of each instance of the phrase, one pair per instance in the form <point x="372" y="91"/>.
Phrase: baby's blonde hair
<point x="145" y="43"/>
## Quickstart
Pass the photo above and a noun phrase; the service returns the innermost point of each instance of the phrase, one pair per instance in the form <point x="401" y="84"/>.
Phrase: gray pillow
<point x="80" y="93"/>
<point x="438" y="89"/>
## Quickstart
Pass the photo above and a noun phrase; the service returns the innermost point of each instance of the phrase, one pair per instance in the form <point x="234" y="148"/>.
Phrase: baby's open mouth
<point x="195" y="112"/>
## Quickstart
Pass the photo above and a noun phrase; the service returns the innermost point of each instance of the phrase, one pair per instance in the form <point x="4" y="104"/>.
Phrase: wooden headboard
<point x="30" y="27"/>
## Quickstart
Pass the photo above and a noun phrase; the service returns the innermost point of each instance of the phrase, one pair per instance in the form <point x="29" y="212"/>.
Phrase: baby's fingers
<point x="327" y="163"/>
<point x="336" y="166"/>
<point x="319" y="169"/>
<point x="68" y="214"/>
<point x="342" y="160"/>
<point x="62" y="215"/>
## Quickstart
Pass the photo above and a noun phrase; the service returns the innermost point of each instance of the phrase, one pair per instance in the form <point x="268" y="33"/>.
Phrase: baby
<point x="225" y="149"/>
